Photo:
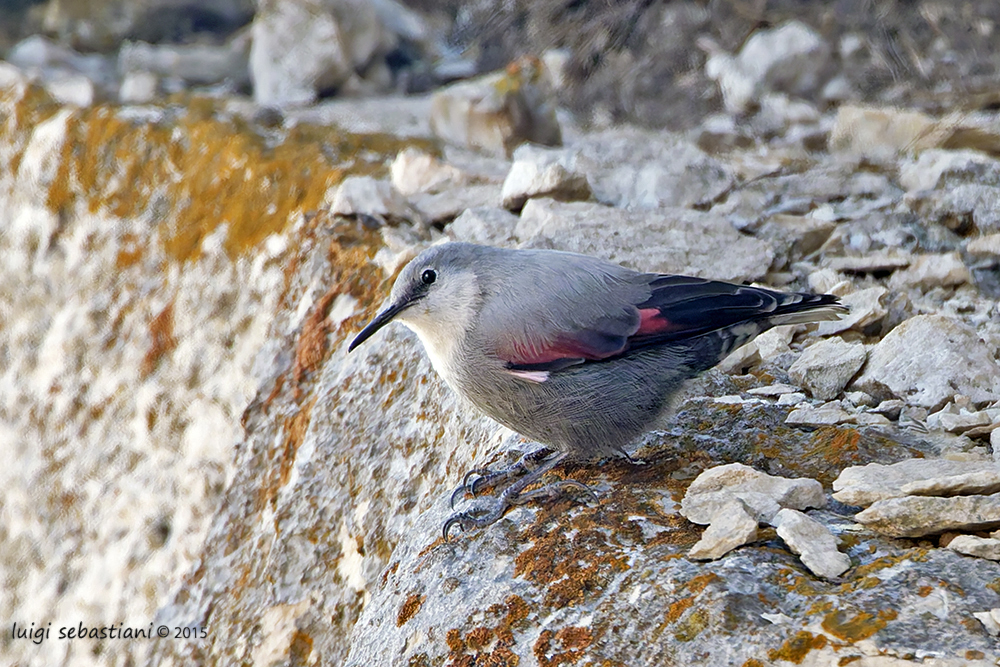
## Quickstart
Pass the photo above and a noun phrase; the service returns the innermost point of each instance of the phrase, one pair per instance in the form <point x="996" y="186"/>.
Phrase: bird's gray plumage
<point x="577" y="353"/>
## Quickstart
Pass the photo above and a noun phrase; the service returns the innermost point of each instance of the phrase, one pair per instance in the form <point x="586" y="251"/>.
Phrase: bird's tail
<point x="804" y="308"/>
<point x="793" y="308"/>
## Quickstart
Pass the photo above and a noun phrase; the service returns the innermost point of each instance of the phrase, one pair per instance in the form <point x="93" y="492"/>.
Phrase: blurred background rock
<point x="200" y="201"/>
<point x="651" y="63"/>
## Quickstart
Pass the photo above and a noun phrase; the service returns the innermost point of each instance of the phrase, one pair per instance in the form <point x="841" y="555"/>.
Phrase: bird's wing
<point x="681" y="307"/>
<point x="555" y="310"/>
<point x="602" y="315"/>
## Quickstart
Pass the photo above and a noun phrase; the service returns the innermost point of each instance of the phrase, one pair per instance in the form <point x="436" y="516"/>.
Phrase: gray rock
<point x="818" y="416"/>
<point x="988" y="245"/>
<point x="979" y="202"/>
<point x="916" y="516"/>
<point x="859" y="398"/>
<point x="982" y="482"/>
<point x="71" y="88"/>
<point x="928" y="359"/>
<point x="665" y="241"/>
<point x="170" y="354"/>
<point x="762" y="494"/>
<point x="415" y="171"/>
<point x="980" y="547"/>
<point x="366" y="196"/>
<point x="871" y="419"/>
<point x="929" y="271"/>
<point x="100" y="26"/>
<point x="958" y="421"/>
<point x="863" y="485"/>
<point x="441" y="207"/>
<point x="775" y="342"/>
<point x="990" y="620"/>
<point x="791" y="399"/>
<point x="498" y="112"/>
<point x="890" y="408"/>
<point x="138" y="88"/>
<point x="538" y="172"/>
<point x="196" y="64"/>
<point x="484" y="225"/>
<point x="731" y="527"/>
<point x="773" y="390"/>
<point x="300" y="48"/>
<point x="883" y="134"/>
<point x="741" y="359"/>
<point x="866" y="308"/>
<point x="812" y="542"/>
<point x="925" y="171"/>
<point x="801" y="235"/>
<point x="789" y="58"/>
<point x="642" y="169"/>
<point x="42" y="57"/>
<point x="827" y="366"/>
<point x="824" y="281"/>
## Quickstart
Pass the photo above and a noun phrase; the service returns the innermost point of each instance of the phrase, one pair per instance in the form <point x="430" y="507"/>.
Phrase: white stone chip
<point x="762" y="494"/>
<point x="827" y="366"/>
<point x="980" y="547"/>
<point x="731" y="527"/>
<point x="813" y="542"/>
<point x="864" y="485"/>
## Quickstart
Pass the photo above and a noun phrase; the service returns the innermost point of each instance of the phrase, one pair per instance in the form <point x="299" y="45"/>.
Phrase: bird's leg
<point x="512" y="495"/>
<point x="487" y="479"/>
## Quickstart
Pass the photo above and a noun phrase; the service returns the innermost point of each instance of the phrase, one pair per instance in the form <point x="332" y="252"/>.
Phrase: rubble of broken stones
<point x="283" y="53"/>
<point x="892" y="210"/>
<point x="901" y="225"/>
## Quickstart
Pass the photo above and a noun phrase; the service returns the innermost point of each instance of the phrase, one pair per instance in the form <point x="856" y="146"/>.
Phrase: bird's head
<point x="436" y="295"/>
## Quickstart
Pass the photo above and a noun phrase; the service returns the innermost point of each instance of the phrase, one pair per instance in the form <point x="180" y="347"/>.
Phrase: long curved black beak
<point x="380" y="321"/>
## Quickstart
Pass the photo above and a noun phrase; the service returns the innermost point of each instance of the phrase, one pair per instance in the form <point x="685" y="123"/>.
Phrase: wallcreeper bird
<point x="577" y="353"/>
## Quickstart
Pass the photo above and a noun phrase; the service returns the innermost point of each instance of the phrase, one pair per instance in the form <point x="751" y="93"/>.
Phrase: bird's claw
<point x="473" y="519"/>
<point x="513" y="495"/>
<point x="554" y="490"/>
<point x="453" y="520"/>
<point x="467" y="487"/>
<point x="485" y="478"/>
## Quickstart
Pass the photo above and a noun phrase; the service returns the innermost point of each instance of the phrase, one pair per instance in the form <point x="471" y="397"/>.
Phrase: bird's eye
<point x="428" y="276"/>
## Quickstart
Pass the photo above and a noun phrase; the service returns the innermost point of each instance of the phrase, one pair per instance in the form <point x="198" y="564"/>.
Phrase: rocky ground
<point x="198" y="212"/>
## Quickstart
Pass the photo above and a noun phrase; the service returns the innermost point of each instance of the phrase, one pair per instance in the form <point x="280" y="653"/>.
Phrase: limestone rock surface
<point x="827" y="366"/>
<point x="928" y="359"/>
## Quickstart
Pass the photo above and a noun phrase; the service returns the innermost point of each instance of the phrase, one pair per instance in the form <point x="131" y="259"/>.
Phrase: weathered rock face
<point x="930" y="358"/>
<point x="133" y="324"/>
<point x="498" y="112"/>
<point x="551" y="580"/>
<point x="173" y="284"/>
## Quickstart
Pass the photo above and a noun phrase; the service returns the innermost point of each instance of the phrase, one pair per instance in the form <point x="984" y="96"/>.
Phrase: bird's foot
<point x="483" y="478"/>
<point x="514" y="495"/>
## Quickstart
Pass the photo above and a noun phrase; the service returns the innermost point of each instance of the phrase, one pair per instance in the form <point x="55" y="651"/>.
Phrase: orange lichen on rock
<point x="409" y="609"/>
<point x="852" y="628"/>
<point x="191" y="168"/>
<point x="300" y="648"/>
<point x="570" y="568"/>
<point x="162" y="341"/>
<point x="687" y="623"/>
<point x="562" y="647"/>
<point x="797" y="646"/>
<point x="836" y="445"/>
<point x="489" y="646"/>
<point x="312" y="344"/>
